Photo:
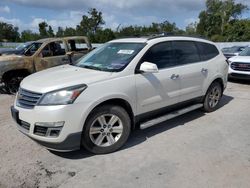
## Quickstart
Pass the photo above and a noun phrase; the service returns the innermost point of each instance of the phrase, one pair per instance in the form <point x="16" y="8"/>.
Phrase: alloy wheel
<point x="214" y="97"/>
<point x="106" y="130"/>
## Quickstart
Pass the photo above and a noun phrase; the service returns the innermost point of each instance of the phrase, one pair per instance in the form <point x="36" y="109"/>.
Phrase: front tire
<point x="12" y="85"/>
<point x="213" y="97"/>
<point x="106" y="130"/>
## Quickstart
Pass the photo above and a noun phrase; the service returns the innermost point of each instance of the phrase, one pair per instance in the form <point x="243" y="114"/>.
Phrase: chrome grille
<point x="27" y="99"/>
<point x="240" y="66"/>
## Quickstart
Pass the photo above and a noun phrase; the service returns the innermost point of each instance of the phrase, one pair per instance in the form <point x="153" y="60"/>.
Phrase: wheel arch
<point x="220" y="81"/>
<point x="118" y="102"/>
<point x="10" y="73"/>
<point x="217" y="79"/>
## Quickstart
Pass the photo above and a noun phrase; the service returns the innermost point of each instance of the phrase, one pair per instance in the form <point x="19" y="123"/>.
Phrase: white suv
<point x="124" y="84"/>
<point x="240" y="65"/>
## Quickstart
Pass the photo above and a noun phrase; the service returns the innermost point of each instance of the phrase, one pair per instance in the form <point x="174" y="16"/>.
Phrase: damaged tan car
<point x="40" y="55"/>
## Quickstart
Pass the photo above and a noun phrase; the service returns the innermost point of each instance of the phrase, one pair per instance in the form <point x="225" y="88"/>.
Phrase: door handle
<point x="174" y="76"/>
<point x="203" y="70"/>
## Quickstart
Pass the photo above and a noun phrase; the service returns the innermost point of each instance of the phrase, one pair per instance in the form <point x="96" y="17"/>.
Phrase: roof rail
<point x="167" y="34"/>
<point x="158" y="35"/>
<point x="151" y="36"/>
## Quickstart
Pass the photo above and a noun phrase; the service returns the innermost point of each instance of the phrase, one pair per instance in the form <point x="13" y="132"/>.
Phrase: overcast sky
<point x="26" y="14"/>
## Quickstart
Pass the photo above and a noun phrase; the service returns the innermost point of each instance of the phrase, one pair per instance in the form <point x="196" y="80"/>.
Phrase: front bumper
<point x="239" y="76"/>
<point x="70" y="136"/>
<point x="244" y="75"/>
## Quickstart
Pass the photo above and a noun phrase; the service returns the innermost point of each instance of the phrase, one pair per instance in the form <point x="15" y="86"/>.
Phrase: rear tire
<point x="106" y="129"/>
<point x="213" y="97"/>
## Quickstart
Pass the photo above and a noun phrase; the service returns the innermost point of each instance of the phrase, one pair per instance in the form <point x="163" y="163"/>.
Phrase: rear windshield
<point x="233" y="49"/>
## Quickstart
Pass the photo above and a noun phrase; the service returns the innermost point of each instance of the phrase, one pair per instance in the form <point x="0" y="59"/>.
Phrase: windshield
<point x="246" y="52"/>
<point x="111" y="57"/>
<point x="23" y="46"/>
<point x="32" y="48"/>
<point x="233" y="49"/>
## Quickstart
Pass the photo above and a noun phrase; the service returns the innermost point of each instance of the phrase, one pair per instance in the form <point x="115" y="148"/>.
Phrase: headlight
<point x="63" y="96"/>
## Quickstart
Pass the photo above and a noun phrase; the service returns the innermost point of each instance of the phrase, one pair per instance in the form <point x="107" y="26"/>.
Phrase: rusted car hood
<point x="61" y="77"/>
<point x="6" y="58"/>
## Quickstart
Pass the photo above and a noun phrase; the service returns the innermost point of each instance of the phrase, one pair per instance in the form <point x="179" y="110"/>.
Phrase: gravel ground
<point x="194" y="150"/>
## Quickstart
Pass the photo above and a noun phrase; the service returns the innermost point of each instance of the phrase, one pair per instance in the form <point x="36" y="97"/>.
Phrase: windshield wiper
<point x="91" y="67"/>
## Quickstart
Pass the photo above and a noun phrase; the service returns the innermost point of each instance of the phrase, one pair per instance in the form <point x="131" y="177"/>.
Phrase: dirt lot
<point x="194" y="150"/>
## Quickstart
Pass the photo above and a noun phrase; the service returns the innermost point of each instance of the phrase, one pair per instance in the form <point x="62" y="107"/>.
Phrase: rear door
<point x="53" y="54"/>
<point x="193" y="70"/>
<point x="158" y="90"/>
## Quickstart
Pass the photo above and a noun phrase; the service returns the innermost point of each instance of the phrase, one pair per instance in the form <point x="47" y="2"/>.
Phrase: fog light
<point x="48" y="129"/>
<point x="50" y="124"/>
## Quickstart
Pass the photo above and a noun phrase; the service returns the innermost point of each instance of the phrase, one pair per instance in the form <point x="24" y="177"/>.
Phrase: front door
<point x="53" y="54"/>
<point x="158" y="90"/>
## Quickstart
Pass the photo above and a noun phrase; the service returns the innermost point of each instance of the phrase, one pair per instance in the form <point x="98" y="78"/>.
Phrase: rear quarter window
<point x="207" y="51"/>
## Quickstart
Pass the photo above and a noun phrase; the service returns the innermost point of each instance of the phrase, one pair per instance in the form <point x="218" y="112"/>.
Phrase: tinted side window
<point x="208" y="51"/>
<point x="160" y="54"/>
<point x="185" y="52"/>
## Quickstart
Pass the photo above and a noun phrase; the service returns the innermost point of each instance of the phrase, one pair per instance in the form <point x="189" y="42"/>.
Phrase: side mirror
<point x="147" y="67"/>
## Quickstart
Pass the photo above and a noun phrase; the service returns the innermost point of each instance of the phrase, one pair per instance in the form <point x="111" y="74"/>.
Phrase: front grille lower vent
<point x="41" y="131"/>
<point x="25" y="125"/>
<point x="27" y="99"/>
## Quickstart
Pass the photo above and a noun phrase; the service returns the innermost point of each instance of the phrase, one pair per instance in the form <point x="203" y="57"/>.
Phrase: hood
<point x="243" y="59"/>
<point x="4" y="50"/>
<point x="62" y="77"/>
<point x="11" y="57"/>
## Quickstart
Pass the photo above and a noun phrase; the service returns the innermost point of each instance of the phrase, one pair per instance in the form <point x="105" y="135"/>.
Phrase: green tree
<point x="191" y="29"/>
<point x="90" y="23"/>
<point x="103" y="36"/>
<point x="217" y="16"/>
<point x="69" y="31"/>
<point x="43" y="29"/>
<point x="28" y="35"/>
<point x="154" y="28"/>
<point x="50" y="32"/>
<point x="237" y="30"/>
<point x="60" y="32"/>
<point x="9" y="32"/>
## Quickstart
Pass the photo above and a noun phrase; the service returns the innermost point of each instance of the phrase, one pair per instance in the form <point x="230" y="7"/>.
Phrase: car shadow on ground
<point x="139" y="136"/>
